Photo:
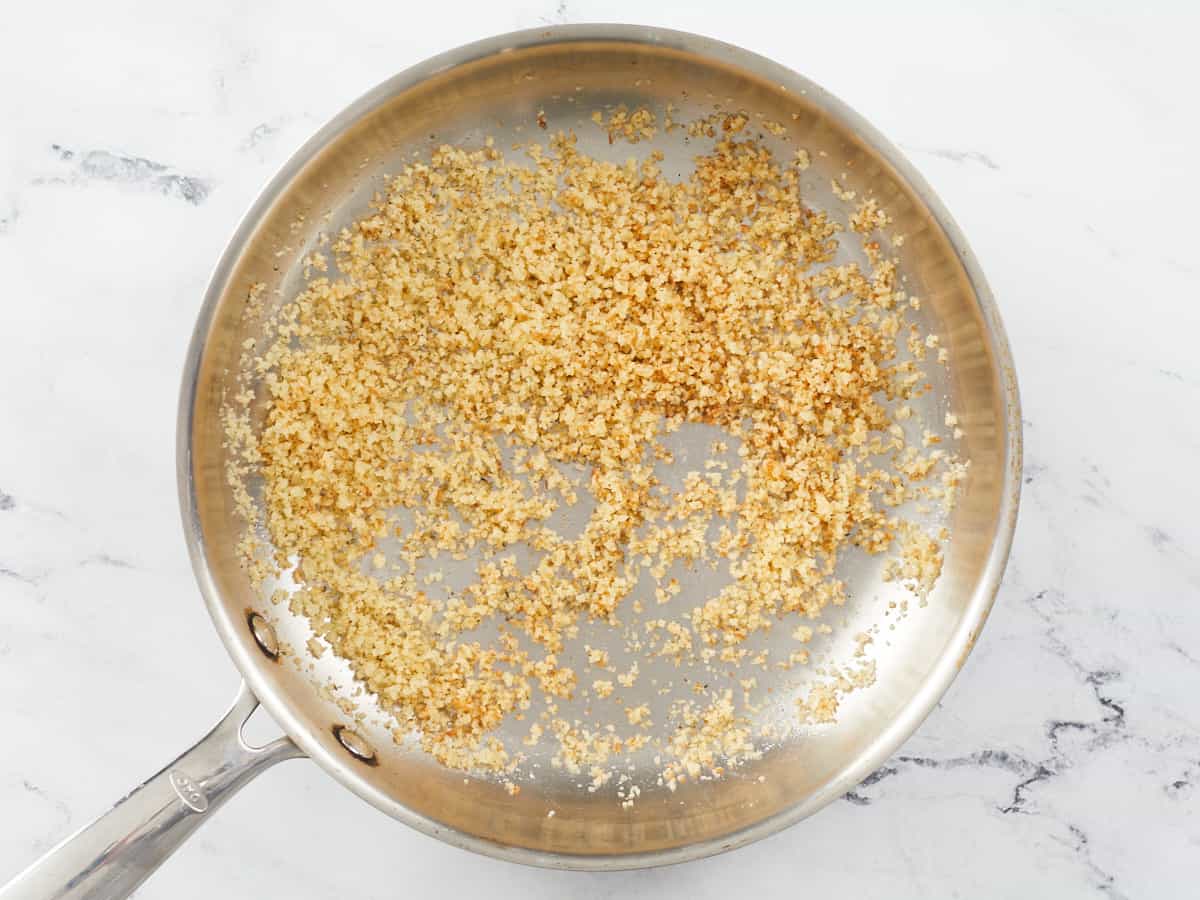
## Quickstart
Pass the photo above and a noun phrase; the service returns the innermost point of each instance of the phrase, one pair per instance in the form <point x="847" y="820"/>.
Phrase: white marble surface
<point x="1064" y="762"/>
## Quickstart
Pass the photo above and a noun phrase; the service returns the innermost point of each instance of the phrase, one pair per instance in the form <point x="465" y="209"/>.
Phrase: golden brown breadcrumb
<point x="492" y="327"/>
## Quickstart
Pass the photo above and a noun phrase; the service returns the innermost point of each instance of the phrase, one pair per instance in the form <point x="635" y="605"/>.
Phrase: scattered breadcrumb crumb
<point x="841" y="192"/>
<point x="633" y="127"/>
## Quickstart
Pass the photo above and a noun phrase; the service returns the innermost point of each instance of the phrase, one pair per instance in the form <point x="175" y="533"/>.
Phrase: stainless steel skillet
<point x="498" y="87"/>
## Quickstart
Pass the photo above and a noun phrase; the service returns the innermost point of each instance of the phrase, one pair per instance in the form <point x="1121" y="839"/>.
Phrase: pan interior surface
<point x="500" y="88"/>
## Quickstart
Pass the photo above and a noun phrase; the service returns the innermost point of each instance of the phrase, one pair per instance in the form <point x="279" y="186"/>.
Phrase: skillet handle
<point x="109" y="858"/>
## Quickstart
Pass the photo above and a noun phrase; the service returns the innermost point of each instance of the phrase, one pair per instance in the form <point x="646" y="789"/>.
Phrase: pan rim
<point x="976" y="611"/>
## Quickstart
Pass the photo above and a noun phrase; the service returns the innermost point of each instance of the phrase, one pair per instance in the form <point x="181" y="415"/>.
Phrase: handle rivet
<point x="356" y="745"/>
<point x="264" y="635"/>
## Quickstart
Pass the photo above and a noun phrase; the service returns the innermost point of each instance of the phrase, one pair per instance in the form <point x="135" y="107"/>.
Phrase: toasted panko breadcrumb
<point x="575" y="312"/>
